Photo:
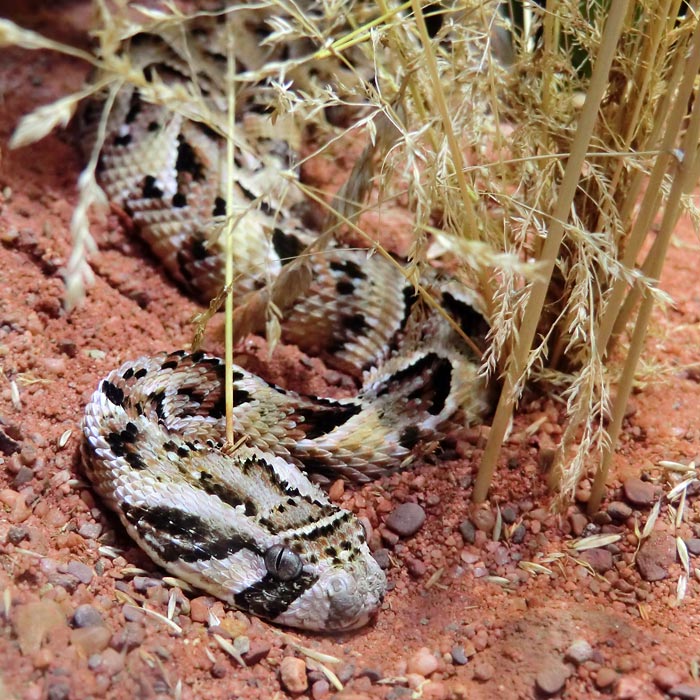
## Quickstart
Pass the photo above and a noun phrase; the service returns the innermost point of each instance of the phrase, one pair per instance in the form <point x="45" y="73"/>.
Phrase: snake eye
<point x="282" y="563"/>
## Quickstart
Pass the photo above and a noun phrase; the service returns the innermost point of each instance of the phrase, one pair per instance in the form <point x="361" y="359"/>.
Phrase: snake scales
<point x="248" y="525"/>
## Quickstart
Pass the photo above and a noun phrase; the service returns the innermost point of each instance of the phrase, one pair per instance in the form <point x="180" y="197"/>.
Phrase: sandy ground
<point x="83" y="614"/>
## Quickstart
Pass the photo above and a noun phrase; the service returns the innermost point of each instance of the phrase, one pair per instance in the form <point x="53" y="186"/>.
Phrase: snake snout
<point x="354" y="596"/>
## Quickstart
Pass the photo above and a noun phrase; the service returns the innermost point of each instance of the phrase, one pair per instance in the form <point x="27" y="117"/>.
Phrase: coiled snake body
<point x="247" y="524"/>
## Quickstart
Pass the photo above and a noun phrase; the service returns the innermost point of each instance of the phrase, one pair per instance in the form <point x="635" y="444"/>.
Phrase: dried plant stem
<point x="681" y="182"/>
<point x="551" y="41"/>
<point x="228" y="232"/>
<point x="668" y="120"/>
<point x="616" y="314"/>
<point x="533" y="310"/>
<point x="466" y="191"/>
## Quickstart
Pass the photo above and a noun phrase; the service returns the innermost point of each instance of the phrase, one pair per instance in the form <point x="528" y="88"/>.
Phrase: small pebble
<point x="578" y="523"/>
<point x="601" y="560"/>
<point x="638" y="492"/>
<point x="320" y="690"/>
<point x="17" y="534"/>
<point x="218" y="670"/>
<point x="405" y="520"/>
<point x="58" y="690"/>
<point x="518" y="535"/>
<point x="81" y="571"/>
<point x="416" y="567"/>
<point x="693" y="545"/>
<point x="143" y="583"/>
<point x="579" y="652"/>
<point x="656" y="555"/>
<point x="293" y="675"/>
<point x="509" y="515"/>
<point x="373" y="674"/>
<point x="199" y="609"/>
<point x="337" y="489"/>
<point x="90" y="531"/>
<point x="666" y="677"/>
<point x="86" y="616"/>
<point x="685" y="691"/>
<point x="112" y="662"/>
<point x="422" y="662"/>
<point x="459" y="658"/>
<point x="468" y="531"/>
<point x="483" y="671"/>
<point x="381" y="556"/>
<point x="605" y="678"/>
<point x="552" y="679"/>
<point x="257" y="651"/>
<point x="23" y="476"/>
<point x="619" y="511"/>
<point x="483" y="519"/>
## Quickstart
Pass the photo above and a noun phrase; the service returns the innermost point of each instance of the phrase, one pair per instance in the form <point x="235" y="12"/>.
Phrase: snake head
<point x="344" y="593"/>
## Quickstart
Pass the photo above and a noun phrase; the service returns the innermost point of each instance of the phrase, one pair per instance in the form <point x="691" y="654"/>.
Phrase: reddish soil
<point x="463" y="619"/>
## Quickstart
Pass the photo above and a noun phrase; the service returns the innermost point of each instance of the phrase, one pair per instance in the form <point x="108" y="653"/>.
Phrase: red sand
<point x="53" y="532"/>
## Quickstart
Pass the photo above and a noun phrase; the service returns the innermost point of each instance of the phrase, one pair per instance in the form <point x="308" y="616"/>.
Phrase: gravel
<point x="459" y="658"/>
<point x="605" y="678"/>
<point x="422" y="662"/>
<point x="86" y="616"/>
<point x="686" y="691"/>
<point x="693" y="545"/>
<point x="579" y="652"/>
<point x="483" y="519"/>
<point x="552" y="679"/>
<point x="601" y="560"/>
<point x="638" y="492"/>
<point x="656" y="555"/>
<point x="405" y="520"/>
<point x="381" y="556"/>
<point x="468" y="531"/>
<point x="81" y="571"/>
<point x="619" y="511"/>
<point x="293" y="675"/>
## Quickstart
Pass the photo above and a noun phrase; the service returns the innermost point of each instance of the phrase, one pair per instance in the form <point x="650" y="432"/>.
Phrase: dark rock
<point x="23" y="476"/>
<point x="693" y="545"/>
<point x="619" y="511"/>
<point x="578" y="523"/>
<point x="468" y="531"/>
<point x="638" y="492"/>
<point x="8" y="446"/>
<point x="655" y="556"/>
<point x="518" y="534"/>
<point x="599" y="559"/>
<point x="381" y="556"/>
<point x="405" y="520"/>
<point x="87" y="616"/>
<point x="373" y="674"/>
<point x="459" y="658"/>
<point x="17" y="533"/>
<point x="509" y="515"/>
<point x="258" y="650"/>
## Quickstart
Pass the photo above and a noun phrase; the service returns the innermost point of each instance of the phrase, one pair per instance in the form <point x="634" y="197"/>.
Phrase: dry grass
<point x="534" y="171"/>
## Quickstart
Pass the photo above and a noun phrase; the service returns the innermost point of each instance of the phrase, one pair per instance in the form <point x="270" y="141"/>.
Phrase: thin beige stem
<point x="230" y="223"/>
<point x="650" y="203"/>
<point x="466" y="191"/>
<point x="682" y="181"/>
<point x="560" y="214"/>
